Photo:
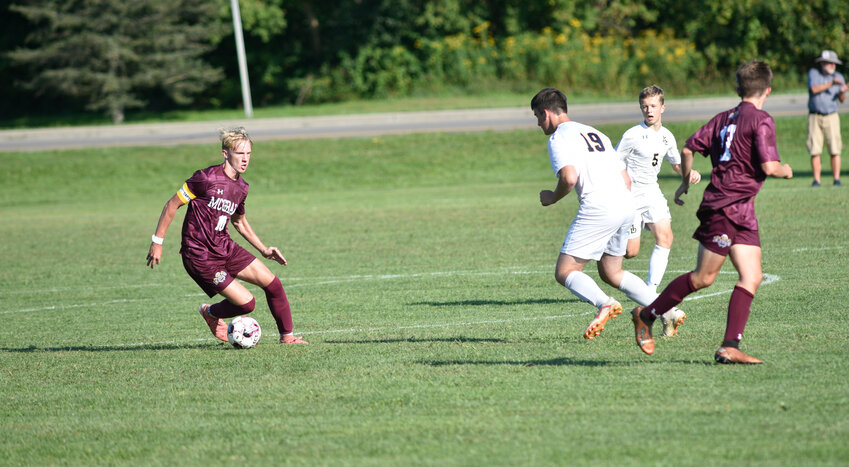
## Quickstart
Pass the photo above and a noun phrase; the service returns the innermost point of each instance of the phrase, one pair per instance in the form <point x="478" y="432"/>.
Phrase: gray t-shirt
<point x="825" y="102"/>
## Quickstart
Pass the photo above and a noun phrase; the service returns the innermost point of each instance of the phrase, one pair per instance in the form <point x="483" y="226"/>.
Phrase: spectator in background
<point x="826" y="88"/>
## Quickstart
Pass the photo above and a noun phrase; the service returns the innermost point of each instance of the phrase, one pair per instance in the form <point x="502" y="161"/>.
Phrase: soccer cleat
<point x="732" y="355"/>
<point x="815" y="184"/>
<point x="837" y="182"/>
<point x="217" y="326"/>
<point x="292" y="339"/>
<point x="672" y="320"/>
<point x="642" y="332"/>
<point x="611" y="309"/>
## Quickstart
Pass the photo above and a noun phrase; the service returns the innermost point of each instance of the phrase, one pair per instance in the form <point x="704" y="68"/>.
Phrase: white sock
<point x="657" y="266"/>
<point x="585" y="288"/>
<point x="636" y="289"/>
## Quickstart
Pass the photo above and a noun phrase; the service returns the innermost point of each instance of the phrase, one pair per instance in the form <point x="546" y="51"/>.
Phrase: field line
<point x="806" y="249"/>
<point x="768" y="279"/>
<point x="446" y="325"/>
<point x="355" y="330"/>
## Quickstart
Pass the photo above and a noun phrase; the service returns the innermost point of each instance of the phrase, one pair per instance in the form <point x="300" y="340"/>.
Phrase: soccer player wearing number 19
<point x="584" y="160"/>
<point x="216" y="195"/>
<point x="741" y="144"/>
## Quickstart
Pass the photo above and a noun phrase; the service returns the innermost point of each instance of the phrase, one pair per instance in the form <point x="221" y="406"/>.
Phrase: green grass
<point x="421" y="271"/>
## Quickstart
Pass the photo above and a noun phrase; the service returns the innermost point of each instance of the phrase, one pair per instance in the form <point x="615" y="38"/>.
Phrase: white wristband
<point x="157" y="240"/>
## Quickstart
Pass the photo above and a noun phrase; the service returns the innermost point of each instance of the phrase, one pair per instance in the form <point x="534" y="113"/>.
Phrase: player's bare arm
<point x="776" y="169"/>
<point x="567" y="177"/>
<point x="154" y="254"/>
<point x="695" y="176"/>
<point x="241" y="224"/>
<point x="686" y="168"/>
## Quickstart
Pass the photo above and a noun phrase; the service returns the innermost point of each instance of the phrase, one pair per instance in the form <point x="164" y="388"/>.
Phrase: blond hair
<point x="231" y="136"/>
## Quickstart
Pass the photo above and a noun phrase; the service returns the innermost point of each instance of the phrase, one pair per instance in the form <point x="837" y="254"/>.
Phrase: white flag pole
<point x="243" y="64"/>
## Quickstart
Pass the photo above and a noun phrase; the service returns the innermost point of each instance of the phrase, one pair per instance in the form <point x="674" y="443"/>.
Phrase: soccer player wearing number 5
<point x="216" y="195"/>
<point x="643" y="149"/>
<point x="741" y="144"/>
<point x="584" y="160"/>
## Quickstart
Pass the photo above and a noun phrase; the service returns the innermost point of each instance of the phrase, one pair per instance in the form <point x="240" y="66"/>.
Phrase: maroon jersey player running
<point x="742" y="149"/>
<point x="216" y="195"/>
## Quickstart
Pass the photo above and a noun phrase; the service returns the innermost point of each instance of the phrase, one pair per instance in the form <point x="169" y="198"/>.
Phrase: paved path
<point x="501" y="119"/>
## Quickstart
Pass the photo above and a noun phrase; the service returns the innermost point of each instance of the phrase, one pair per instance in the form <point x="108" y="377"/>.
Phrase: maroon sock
<point x="279" y="306"/>
<point x="672" y="295"/>
<point x="738" y="313"/>
<point x="224" y="309"/>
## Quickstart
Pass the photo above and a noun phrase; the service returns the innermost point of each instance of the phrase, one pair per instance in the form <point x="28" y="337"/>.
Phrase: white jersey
<point x="643" y="149"/>
<point x="599" y="167"/>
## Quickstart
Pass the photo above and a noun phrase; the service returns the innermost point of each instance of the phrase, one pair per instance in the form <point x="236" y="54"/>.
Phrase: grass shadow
<point x="560" y="361"/>
<point x="484" y="302"/>
<point x="105" y="348"/>
<point x="450" y="340"/>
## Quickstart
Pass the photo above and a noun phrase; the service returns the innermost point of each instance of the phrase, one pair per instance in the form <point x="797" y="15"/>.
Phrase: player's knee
<point x="665" y="240"/>
<point x="751" y="282"/>
<point x="560" y="277"/>
<point x="701" y="281"/>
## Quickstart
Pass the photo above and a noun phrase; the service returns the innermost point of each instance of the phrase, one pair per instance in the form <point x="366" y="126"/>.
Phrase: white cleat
<point x="672" y="320"/>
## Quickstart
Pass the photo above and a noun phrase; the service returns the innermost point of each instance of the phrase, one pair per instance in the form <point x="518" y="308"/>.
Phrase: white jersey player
<point x="643" y="149"/>
<point x="584" y="160"/>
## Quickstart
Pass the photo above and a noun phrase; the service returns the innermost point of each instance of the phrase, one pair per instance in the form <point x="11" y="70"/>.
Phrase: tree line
<point x="115" y="57"/>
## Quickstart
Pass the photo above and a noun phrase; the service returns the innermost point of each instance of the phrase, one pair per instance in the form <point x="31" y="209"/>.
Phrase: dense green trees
<point x="110" y="56"/>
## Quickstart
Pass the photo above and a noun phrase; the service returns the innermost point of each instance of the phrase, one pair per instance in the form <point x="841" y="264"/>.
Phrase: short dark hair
<point x="753" y="78"/>
<point x="651" y="91"/>
<point x="549" y="99"/>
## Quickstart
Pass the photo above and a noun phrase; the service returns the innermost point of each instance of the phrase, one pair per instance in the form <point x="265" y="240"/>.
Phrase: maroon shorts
<point x="213" y="276"/>
<point x="717" y="233"/>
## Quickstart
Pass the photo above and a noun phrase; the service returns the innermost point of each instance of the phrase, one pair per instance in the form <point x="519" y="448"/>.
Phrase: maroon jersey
<point x="737" y="141"/>
<point x="213" y="198"/>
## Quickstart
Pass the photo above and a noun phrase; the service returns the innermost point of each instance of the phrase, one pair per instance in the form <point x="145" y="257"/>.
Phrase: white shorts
<point x="598" y="231"/>
<point x="651" y="207"/>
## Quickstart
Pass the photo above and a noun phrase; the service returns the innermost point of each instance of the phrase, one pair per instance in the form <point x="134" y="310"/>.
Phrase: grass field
<point x="421" y="271"/>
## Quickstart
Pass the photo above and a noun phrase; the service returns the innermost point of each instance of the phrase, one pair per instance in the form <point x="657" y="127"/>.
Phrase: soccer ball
<point x="243" y="332"/>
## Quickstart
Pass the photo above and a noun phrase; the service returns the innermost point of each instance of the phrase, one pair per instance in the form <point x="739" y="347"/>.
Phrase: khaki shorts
<point x="824" y="128"/>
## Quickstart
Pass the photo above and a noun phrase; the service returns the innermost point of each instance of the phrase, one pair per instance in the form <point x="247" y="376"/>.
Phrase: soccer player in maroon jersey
<point x="741" y="144"/>
<point x="216" y="195"/>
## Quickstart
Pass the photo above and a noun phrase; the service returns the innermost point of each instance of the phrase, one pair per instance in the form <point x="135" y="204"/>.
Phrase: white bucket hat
<point x="829" y="56"/>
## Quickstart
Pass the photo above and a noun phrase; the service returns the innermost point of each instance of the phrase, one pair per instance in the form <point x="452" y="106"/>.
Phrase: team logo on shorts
<point x="220" y="276"/>
<point x="722" y="240"/>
